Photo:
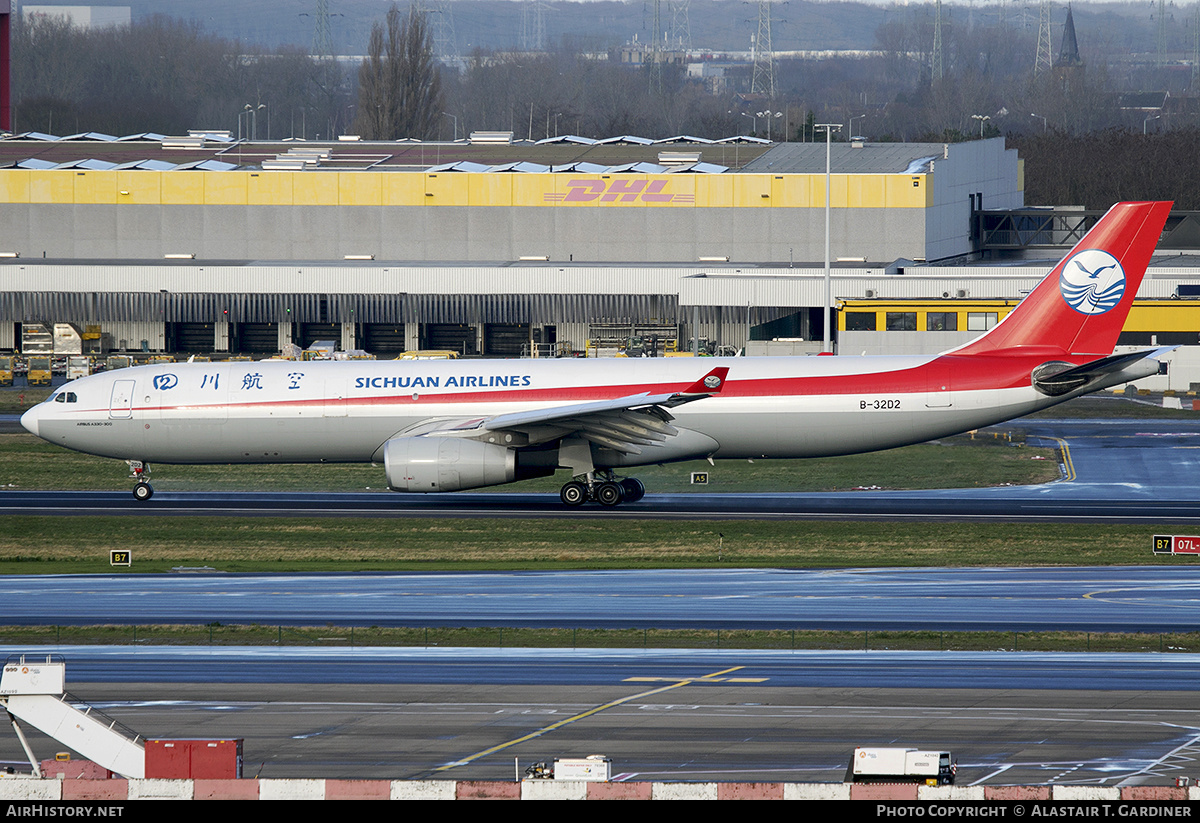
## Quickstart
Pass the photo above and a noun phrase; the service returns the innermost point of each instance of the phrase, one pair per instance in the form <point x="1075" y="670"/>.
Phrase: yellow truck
<point x="39" y="370"/>
<point x="6" y="370"/>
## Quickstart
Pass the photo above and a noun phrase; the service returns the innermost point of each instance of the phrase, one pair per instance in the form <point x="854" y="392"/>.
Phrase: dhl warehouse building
<point x="501" y="248"/>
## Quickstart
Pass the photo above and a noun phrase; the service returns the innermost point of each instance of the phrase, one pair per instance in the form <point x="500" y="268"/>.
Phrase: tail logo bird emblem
<point x="1092" y="281"/>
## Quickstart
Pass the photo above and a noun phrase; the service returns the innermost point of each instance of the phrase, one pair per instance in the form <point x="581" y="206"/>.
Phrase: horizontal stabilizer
<point x="1057" y="378"/>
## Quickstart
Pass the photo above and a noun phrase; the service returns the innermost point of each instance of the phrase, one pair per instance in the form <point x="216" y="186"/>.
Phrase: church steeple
<point x="1069" y="54"/>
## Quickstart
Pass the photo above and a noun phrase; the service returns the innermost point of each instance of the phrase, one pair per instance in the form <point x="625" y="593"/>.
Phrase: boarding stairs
<point x="33" y="691"/>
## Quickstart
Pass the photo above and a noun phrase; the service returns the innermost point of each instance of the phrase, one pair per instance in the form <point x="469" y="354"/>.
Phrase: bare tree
<point x="163" y="75"/>
<point x="399" y="86"/>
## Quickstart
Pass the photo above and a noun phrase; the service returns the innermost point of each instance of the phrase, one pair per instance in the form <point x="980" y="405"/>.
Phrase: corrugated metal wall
<point x="543" y="309"/>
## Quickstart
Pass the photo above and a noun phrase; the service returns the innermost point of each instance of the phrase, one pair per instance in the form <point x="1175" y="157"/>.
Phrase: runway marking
<point x="715" y="677"/>
<point x="994" y="773"/>
<point x="697" y="680"/>
<point x="1067" y="464"/>
<point x="1124" y="596"/>
<point x="546" y="729"/>
<point x="1176" y="760"/>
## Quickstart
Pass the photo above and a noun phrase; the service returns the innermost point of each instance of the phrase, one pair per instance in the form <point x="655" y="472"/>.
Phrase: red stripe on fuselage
<point x="978" y="373"/>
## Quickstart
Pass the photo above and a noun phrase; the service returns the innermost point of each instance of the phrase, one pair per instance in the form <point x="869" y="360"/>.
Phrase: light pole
<point x="982" y="118"/>
<point x="769" y="115"/>
<point x="1147" y="120"/>
<point x="850" y="130"/>
<point x="1043" y="119"/>
<point x="455" y="119"/>
<point x="827" y="348"/>
<point x="754" y="118"/>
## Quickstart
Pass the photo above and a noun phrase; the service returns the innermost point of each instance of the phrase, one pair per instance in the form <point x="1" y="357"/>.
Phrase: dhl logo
<point x="617" y="191"/>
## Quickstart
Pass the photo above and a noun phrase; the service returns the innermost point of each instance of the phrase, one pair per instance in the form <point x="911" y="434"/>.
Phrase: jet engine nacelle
<point x="446" y="464"/>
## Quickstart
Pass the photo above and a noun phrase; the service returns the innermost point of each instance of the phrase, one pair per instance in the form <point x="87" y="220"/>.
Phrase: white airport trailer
<point x="871" y="765"/>
<point x="593" y="768"/>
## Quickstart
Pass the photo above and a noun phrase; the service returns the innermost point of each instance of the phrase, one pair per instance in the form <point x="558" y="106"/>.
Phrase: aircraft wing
<point x="706" y="386"/>
<point x="624" y="424"/>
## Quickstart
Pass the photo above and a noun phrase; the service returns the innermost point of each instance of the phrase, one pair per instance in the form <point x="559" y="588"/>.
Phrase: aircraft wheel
<point x="573" y="493"/>
<point x="143" y="491"/>
<point x="610" y="494"/>
<point x="634" y="489"/>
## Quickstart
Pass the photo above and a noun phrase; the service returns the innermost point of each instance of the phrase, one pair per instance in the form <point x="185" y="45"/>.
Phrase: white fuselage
<point x="345" y="411"/>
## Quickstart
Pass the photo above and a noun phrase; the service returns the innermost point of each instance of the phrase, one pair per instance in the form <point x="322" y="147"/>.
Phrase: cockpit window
<point x="65" y="397"/>
<point x="61" y="397"/>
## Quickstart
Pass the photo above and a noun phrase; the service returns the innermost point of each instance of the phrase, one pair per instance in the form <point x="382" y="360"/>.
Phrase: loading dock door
<point x="505" y="339"/>
<point x="451" y="336"/>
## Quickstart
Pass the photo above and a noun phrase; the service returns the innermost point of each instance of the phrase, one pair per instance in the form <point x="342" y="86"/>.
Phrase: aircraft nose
<point x="30" y="420"/>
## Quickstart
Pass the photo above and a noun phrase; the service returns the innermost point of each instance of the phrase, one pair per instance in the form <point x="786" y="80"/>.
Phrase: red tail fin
<point x="1081" y="306"/>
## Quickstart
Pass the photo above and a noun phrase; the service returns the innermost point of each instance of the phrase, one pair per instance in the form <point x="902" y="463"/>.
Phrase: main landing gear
<point x="607" y="491"/>
<point x="140" y="472"/>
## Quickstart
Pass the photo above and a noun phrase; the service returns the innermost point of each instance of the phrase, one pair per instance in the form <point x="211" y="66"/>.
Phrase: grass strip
<point x="218" y="634"/>
<point x="36" y="544"/>
<point x="991" y="459"/>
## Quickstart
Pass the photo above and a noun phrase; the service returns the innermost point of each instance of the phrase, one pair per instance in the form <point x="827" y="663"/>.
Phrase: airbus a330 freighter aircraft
<point x="441" y="426"/>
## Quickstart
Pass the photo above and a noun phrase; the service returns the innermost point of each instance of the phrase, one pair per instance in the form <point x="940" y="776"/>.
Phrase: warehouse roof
<point x="38" y="150"/>
<point x="849" y="158"/>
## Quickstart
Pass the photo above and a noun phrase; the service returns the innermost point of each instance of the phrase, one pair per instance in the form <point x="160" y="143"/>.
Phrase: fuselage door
<point x="120" y="405"/>
<point x="937" y="384"/>
<point x="335" y="396"/>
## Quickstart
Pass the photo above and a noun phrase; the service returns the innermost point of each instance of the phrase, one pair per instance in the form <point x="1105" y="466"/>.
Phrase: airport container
<point x="194" y="759"/>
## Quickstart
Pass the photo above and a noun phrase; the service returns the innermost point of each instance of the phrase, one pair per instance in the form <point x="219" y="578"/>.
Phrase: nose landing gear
<point x="140" y="472"/>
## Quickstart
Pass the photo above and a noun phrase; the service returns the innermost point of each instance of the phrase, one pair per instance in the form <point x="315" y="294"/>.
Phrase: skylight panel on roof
<point x="686" y="138"/>
<point x="920" y="165"/>
<point x="626" y="138"/>
<point x="90" y="163"/>
<point x="146" y="135"/>
<point x="567" y="138"/>
<point x="92" y="135"/>
<point x="146" y="165"/>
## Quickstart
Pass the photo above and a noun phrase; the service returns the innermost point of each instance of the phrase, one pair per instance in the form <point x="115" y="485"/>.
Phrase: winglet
<point x="709" y="384"/>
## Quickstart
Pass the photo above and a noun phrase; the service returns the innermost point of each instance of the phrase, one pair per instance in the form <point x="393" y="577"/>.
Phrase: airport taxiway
<point x="1128" y="471"/>
<point x="1114" y="598"/>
